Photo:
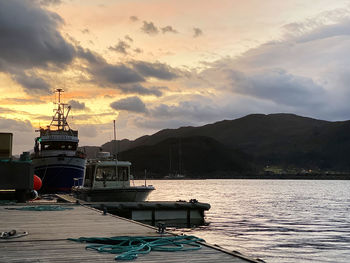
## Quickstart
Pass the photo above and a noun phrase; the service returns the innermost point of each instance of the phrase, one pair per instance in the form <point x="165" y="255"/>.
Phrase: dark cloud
<point x="149" y="28"/>
<point x="134" y="18"/>
<point x="120" y="47"/>
<point x="138" y="50"/>
<point x="30" y="39"/>
<point x="30" y="36"/>
<point x="133" y="104"/>
<point x="279" y="86"/>
<point x="197" y="32"/>
<point x="91" y="57"/>
<point x="116" y="74"/>
<point x="139" y="89"/>
<point x="105" y="73"/>
<point x="32" y="84"/>
<point x="168" y="29"/>
<point x="76" y="105"/>
<point x="156" y="70"/>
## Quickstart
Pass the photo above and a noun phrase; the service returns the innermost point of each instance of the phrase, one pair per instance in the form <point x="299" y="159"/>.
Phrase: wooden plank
<point x="49" y="230"/>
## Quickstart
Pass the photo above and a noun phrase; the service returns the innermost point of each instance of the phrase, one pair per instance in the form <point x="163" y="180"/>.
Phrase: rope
<point x="7" y="202"/>
<point x="12" y="234"/>
<point x="130" y="247"/>
<point x="42" y="208"/>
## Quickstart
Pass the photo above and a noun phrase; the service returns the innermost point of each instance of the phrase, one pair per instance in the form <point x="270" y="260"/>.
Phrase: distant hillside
<point x="274" y="139"/>
<point x="191" y="156"/>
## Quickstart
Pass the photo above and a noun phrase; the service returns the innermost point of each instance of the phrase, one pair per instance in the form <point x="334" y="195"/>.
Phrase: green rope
<point x="130" y="247"/>
<point x="42" y="208"/>
<point x="7" y="202"/>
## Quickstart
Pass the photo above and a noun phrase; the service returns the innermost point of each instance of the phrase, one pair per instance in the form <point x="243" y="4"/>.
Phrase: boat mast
<point x="115" y="141"/>
<point x="59" y="119"/>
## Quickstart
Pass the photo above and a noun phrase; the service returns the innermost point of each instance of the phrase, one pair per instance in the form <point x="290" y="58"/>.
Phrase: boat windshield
<point x="123" y="173"/>
<point x="106" y="173"/>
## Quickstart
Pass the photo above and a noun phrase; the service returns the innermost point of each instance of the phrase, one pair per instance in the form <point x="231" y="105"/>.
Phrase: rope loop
<point x="129" y="247"/>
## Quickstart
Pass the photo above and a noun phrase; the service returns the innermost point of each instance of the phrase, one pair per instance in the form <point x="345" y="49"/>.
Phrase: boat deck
<point x="48" y="232"/>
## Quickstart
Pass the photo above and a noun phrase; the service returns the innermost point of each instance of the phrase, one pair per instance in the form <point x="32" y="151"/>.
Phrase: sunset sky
<point x="155" y="64"/>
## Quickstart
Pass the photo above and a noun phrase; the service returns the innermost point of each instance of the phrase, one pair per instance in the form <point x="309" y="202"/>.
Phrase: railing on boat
<point x="78" y="181"/>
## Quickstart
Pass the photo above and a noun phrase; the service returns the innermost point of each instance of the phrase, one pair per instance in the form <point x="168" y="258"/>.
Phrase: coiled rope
<point x="131" y="246"/>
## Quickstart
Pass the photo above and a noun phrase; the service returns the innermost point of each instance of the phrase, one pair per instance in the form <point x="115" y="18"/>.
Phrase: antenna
<point x="115" y="140"/>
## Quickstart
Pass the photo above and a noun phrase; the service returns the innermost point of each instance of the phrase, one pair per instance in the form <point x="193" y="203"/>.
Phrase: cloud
<point x="87" y="130"/>
<point x="156" y="70"/>
<point x="149" y="28"/>
<point x="133" y="104"/>
<point x="30" y="39"/>
<point x="126" y="78"/>
<point x="168" y="29"/>
<point x="21" y="101"/>
<point x="116" y="74"/>
<point x="121" y="47"/>
<point x="127" y="37"/>
<point x="76" y="105"/>
<point x="50" y="2"/>
<point x="197" y="32"/>
<point x="10" y="125"/>
<point x="277" y="85"/>
<point x="38" y="43"/>
<point x="139" y="89"/>
<point x="306" y="72"/>
<point x="85" y="31"/>
<point x="138" y="50"/>
<point x="134" y="18"/>
<point x="32" y="84"/>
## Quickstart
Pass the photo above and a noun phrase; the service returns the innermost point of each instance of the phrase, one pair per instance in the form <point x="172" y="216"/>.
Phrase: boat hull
<point x="58" y="172"/>
<point x="127" y="194"/>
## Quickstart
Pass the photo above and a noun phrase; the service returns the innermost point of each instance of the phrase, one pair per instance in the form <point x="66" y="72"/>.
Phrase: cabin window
<point x="90" y="169"/>
<point x="59" y="146"/>
<point x="123" y="173"/>
<point x="106" y="173"/>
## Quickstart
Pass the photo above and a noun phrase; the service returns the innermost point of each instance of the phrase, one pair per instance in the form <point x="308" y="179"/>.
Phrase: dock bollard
<point x="161" y="227"/>
<point x="104" y="209"/>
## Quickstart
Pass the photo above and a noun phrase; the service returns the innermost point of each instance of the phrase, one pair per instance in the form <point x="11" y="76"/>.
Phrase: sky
<point x="158" y="64"/>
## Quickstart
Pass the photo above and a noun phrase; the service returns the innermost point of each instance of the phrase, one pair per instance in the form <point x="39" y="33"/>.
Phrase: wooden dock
<point x="48" y="232"/>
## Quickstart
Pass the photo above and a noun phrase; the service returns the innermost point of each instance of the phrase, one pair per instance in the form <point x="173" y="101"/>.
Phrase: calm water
<point x="275" y="220"/>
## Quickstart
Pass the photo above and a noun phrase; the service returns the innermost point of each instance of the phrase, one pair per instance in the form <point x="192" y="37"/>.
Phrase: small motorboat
<point x="108" y="180"/>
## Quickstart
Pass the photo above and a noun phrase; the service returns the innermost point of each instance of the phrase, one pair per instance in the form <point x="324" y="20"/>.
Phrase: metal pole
<point x="115" y="140"/>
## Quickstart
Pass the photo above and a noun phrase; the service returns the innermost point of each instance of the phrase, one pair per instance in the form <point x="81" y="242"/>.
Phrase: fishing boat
<point x="108" y="180"/>
<point x="56" y="159"/>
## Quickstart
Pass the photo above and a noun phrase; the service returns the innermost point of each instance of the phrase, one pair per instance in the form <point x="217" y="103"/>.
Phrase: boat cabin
<point x="107" y="174"/>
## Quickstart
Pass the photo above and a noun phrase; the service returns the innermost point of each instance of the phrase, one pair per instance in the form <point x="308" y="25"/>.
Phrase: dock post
<point x="188" y="217"/>
<point x="153" y="217"/>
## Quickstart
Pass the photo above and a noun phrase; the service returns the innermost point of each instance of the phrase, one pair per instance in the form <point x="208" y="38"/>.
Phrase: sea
<point x="274" y="220"/>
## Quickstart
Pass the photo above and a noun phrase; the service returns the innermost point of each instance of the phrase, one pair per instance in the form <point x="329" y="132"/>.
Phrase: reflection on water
<point x="275" y="220"/>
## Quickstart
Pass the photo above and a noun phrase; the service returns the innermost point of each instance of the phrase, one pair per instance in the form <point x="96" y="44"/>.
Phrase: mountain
<point x="285" y="140"/>
<point x="195" y="156"/>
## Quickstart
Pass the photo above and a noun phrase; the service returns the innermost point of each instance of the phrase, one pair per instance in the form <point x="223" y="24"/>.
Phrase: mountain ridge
<point x="282" y="139"/>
